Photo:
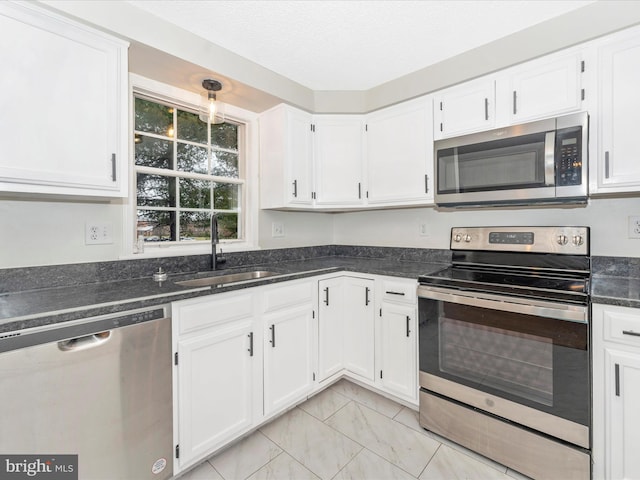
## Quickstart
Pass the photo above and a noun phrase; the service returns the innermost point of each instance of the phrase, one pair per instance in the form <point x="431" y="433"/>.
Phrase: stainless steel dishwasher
<point x="99" y="388"/>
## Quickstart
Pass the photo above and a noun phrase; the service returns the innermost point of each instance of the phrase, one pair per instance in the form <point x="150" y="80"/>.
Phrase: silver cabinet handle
<point x="366" y="296"/>
<point x="273" y="335"/>
<point x="426" y="183"/>
<point x="295" y="189"/>
<point x="326" y="296"/>
<point x="113" y="167"/>
<point x="486" y="108"/>
<point x="631" y="332"/>
<point x="359" y="190"/>
<point x="250" y="349"/>
<point x="606" y="164"/>
<point x="515" y="102"/>
<point x="408" y="325"/>
<point x="389" y="292"/>
<point x="617" y="379"/>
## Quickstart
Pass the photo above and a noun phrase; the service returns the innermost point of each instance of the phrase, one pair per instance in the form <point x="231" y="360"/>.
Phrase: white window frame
<point x="248" y="149"/>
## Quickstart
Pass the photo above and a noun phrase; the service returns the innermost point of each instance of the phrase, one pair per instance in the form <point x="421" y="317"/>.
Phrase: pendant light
<point x="211" y="111"/>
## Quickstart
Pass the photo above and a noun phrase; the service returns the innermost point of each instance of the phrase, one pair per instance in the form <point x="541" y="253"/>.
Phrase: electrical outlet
<point x="98" y="233"/>
<point x="424" y="231"/>
<point x="277" y="229"/>
<point x="634" y="226"/>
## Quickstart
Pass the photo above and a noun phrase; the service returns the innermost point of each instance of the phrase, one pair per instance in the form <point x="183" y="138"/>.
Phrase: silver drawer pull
<point x="394" y="293"/>
<point x="630" y="332"/>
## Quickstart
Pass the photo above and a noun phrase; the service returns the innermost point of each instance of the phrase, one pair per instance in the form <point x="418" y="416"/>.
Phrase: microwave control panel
<point x="568" y="157"/>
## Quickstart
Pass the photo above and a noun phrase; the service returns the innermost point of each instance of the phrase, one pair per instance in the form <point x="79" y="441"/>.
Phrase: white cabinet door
<point x="215" y="389"/>
<point x="546" y="87"/>
<point x="286" y="158"/>
<point x="338" y="158"/>
<point x="359" y="326"/>
<point x="288" y="366"/>
<point x="399" y="152"/>
<point x="330" y="327"/>
<point x="396" y="358"/>
<point x="63" y="97"/>
<point x="618" y="164"/>
<point x="466" y="108"/>
<point x="622" y="417"/>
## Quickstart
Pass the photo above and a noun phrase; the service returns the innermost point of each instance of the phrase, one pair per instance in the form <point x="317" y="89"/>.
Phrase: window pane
<point x="225" y="135"/>
<point x="195" y="226"/>
<point x="192" y="159"/>
<point x="195" y="193"/>
<point x="156" y="190"/>
<point x="228" y="226"/>
<point x="225" y="196"/>
<point x="225" y="164"/>
<point x="152" y="152"/>
<point x="190" y="127"/>
<point x="157" y="226"/>
<point x="154" y="117"/>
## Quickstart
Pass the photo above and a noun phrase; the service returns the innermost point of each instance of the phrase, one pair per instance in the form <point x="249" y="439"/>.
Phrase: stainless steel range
<point x="504" y="348"/>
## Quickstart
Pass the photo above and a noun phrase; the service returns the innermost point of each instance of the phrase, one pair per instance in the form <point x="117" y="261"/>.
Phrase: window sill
<point x="159" y="250"/>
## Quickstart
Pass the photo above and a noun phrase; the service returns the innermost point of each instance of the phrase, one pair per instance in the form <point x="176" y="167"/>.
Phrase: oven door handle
<point x="539" y="308"/>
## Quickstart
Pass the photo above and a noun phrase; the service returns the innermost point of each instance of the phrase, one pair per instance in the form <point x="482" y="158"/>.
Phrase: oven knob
<point x="562" y="239"/>
<point x="457" y="237"/>
<point x="578" y="240"/>
<point x="467" y="238"/>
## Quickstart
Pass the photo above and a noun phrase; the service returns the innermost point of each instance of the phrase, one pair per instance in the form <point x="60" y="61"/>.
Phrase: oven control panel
<point x="563" y="240"/>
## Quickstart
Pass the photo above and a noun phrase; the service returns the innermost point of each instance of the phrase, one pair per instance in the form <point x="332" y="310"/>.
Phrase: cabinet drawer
<point x="399" y="291"/>
<point x="288" y="295"/>
<point x="622" y="325"/>
<point x="196" y="315"/>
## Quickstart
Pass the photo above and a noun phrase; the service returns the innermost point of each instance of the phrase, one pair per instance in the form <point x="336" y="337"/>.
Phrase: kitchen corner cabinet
<point x="396" y="338"/>
<point x="64" y="104"/>
<point x="619" y="103"/>
<point x="551" y="85"/>
<point x="399" y="153"/>
<point x="616" y="392"/>
<point x="346" y="327"/>
<point x="288" y="333"/>
<point x="338" y="157"/>
<point x="217" y="357"/>
<point x="286" y="158"/>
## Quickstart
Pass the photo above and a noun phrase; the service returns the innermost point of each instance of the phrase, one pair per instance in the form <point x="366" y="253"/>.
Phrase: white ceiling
<point x="353" y="45"/>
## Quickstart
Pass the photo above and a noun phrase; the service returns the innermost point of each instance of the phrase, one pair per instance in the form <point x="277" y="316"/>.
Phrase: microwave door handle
<point x="549" y="159"/>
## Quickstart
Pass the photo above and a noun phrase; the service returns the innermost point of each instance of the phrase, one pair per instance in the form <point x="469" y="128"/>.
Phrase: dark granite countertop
<point x="621" y="291"/>
<point x="45" y="306"/>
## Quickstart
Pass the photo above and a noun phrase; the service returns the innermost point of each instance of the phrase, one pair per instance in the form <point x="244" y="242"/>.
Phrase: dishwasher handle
<point x="83" y="343"/>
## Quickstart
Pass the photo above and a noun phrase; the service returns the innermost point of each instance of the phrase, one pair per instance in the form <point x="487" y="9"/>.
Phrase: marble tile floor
<point x="347" y="432"/>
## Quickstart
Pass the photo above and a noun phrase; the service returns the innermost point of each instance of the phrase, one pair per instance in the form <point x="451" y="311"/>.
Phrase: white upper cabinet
<point x="286" y="158"/>
<point x="542" y="88"/>
<point x="545" y="87"/>
<point x="399" y="152"/>
<point x="619" y="103"/>
<point x="466" y="108"/>
<point x="338" y="159"/>
<point x="63" y="96"/>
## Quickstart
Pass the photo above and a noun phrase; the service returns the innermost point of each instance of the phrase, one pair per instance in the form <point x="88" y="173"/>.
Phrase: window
<point x="186" y="170"/>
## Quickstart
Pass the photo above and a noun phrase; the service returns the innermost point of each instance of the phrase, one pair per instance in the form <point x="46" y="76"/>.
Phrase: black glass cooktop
<point x="565" y="286"/>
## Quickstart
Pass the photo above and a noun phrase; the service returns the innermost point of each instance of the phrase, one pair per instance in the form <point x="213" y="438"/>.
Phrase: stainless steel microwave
<point x="537" y="162"/>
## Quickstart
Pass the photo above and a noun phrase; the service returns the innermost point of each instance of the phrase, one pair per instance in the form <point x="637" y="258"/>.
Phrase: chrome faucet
<point x="215" y="260"/>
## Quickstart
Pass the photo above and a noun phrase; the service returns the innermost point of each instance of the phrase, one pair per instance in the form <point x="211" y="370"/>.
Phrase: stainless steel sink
<point x="226" y="279"/>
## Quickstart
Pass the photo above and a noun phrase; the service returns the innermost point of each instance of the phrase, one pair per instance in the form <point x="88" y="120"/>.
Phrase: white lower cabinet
<point x="616" y="392"/>
<point x="346" y="326"/>
<point x="243" y="357"/>
<point x="397" y="339"/>
<point x="216" y="381"/>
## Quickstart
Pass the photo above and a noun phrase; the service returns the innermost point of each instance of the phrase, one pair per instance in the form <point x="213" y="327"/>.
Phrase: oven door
<point x="519" y="359"/>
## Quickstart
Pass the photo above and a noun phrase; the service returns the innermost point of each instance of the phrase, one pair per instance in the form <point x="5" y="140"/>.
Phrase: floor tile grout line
<point x="431" y="459"/>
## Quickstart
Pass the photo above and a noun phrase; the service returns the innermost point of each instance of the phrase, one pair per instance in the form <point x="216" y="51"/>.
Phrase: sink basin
<point x="226" y="279"/>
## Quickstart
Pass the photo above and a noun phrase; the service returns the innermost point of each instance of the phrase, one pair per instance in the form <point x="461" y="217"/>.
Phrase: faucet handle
<point x="220" y="258"/>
